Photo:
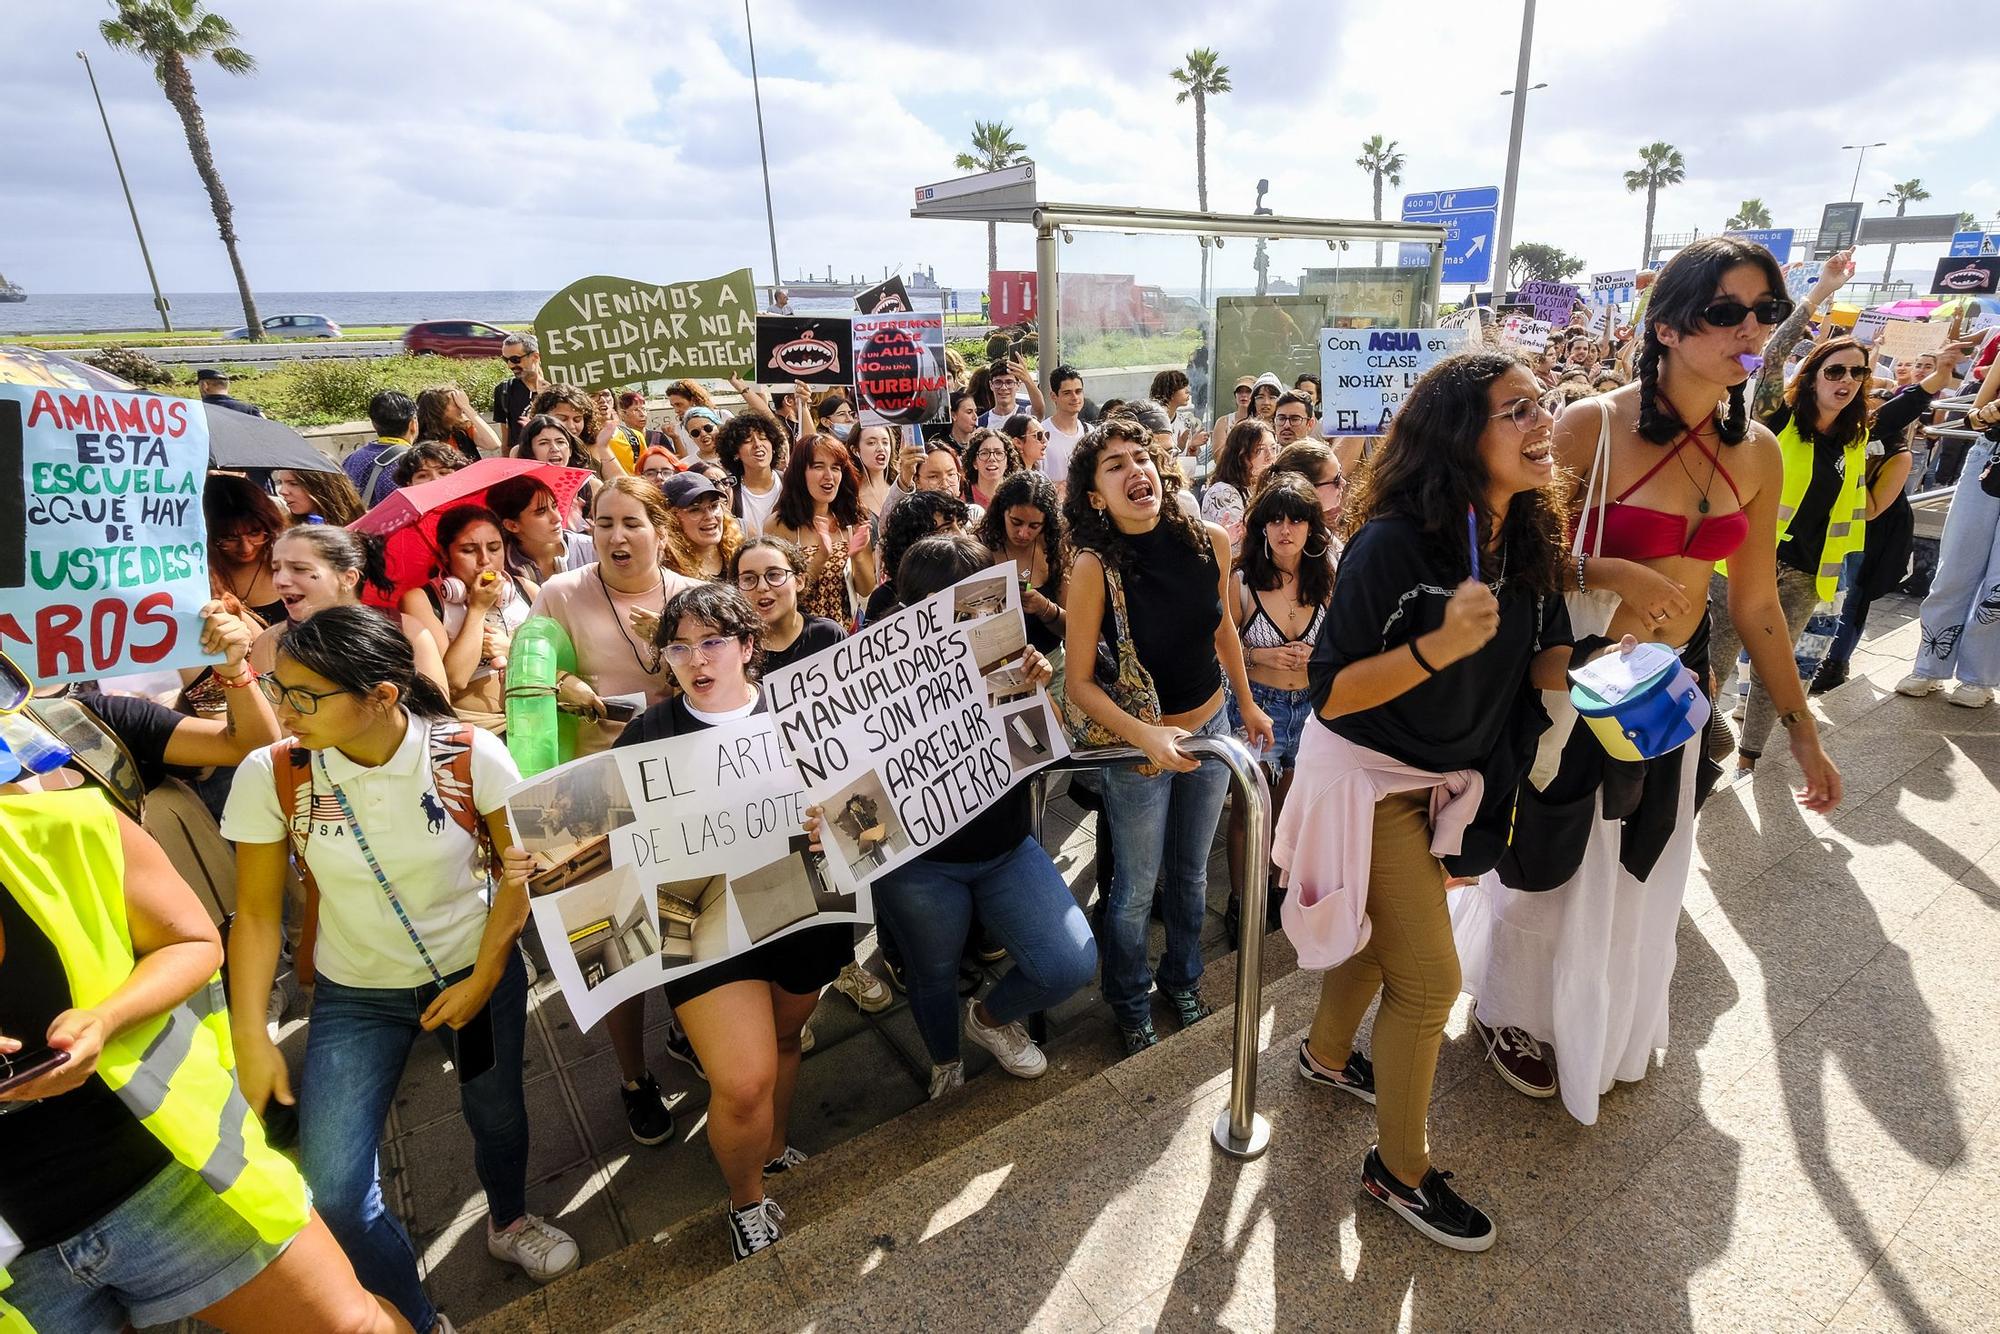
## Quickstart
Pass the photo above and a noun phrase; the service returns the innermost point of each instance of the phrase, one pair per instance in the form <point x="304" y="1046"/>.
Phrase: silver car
<point x="292" y="326"/>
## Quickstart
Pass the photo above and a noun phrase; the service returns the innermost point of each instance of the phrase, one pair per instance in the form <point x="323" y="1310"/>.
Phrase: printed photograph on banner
<point x="817" y="349"/>
<point x="899" y="372"/>
<point x="603" y="332"/>
<point x="862" y="826"/>
<point x="103" y="547"/>
<point x="602" y="939"/>
<point x="565" y="818"/>
<point x="982" y="595"/>
<point x="1031" y="735"/>
<point x="1366" y="373"/>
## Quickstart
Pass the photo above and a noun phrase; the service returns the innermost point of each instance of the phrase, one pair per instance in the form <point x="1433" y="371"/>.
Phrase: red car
<point x="453" y="338"/>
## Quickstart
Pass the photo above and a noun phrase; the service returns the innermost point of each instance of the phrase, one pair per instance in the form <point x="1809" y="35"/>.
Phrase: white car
<point x="291" y="326"/>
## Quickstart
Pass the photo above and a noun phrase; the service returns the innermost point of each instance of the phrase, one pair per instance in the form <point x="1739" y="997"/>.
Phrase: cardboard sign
<point x="1967" y="275"/>
<point x="888" y="297"/>
<point x="1528" y="334"/>
<point x="1365" y="374"/>
<point x="602" y="333"/>
<point x="1800" y="277"/>
<point x="656" y="861"/>
<point x="103" y="549"/>
<point x="914" y="725"/>
<point x="1552" y="301"/>
<point x="1614" y="287"/>
<point x="810" y="349"/>
<point x="1868" y="326"/>
<point x="899" y="374"/>
<point x="1904" y="340"/>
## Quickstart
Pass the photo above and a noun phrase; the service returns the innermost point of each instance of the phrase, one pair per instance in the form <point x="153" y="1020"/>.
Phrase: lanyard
<point x="361" y="841"/>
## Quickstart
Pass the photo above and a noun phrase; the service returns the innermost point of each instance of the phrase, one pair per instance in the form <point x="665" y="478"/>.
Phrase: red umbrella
<point x="408" y="517"/>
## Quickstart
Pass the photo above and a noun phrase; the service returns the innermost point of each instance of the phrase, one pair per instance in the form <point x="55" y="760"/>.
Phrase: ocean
<point x="82" y="312"/>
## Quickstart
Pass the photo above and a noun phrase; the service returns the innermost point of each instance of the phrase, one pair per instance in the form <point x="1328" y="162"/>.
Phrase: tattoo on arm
<point x="1771" y="381"/>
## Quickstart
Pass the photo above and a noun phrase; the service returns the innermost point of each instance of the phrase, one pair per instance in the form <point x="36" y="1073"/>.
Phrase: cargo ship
<point x="10" y="292"/>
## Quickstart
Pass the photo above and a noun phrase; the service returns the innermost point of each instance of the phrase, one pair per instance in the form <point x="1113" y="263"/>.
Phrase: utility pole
<point x="159" y="302"/>
<point x="1503" y="249"/>
<point x="757" y="97"/>
<point x="1863" y="157"/>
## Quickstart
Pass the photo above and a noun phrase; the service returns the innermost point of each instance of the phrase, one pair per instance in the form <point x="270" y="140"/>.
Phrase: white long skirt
<point x="1584" y="968"/>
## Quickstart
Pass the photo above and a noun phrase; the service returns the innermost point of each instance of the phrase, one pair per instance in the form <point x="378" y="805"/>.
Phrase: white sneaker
<point x="444" y="1325"/>
<point x="543" y="1252"/>
<point x="869" y="993"/>
<point x="947" y="1079"/>
<point x="1916" y="687"/>
<point x="1970" y="697"/>
<point x="1009" y="1044"/>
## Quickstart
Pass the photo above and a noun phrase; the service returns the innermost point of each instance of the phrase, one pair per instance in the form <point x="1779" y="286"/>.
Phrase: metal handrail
<point x="1239" y="1132"/>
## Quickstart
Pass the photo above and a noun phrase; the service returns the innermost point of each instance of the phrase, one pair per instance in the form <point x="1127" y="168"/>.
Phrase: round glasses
<point x="680" y="655"/>
<point x="775" y="577"/>
<point x="298" y="699"/>
<point x="1525" y="413"/>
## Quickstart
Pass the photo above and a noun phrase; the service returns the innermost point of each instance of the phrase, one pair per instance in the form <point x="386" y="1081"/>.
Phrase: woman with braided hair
<point x="1571" y="941"/>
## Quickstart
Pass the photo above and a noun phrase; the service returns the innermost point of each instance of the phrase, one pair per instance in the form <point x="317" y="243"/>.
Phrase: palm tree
<point x="1202" y="75"/>
<point x="1749" y="213"/>
<point x="171" y="34"/>
<point x="1660" y="165"/>
<point x="993" y="147"/>
<point x="1382" y="163"/>
<point x="1902" y="195"/>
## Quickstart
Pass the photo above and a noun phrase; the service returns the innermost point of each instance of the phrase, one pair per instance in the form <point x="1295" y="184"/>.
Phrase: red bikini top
<point x="1633" y="532"/>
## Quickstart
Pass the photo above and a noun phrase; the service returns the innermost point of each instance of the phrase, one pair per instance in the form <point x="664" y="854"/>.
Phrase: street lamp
<point x="1519" y="92"/>
<point x="757" y="98"/>
<point x="159" y="302"/>
<point x="1849" y="148"/>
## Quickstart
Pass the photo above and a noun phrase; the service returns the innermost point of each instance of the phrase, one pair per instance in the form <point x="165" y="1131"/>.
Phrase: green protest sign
<point x="601" y="332"/>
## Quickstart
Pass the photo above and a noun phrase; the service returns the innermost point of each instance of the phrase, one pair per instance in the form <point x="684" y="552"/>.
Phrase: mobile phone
<point x="620" y="710"/>
<point x="472" y="1047"/>
<point x="29" y="1063"/>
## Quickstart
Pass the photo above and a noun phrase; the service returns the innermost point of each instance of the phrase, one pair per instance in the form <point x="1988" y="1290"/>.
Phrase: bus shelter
<point x="1122" y="293"/>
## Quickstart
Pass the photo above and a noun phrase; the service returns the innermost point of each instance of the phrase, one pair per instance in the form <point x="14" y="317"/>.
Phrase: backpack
<point x="377" y="466"/>
<point x="451" y="779"/>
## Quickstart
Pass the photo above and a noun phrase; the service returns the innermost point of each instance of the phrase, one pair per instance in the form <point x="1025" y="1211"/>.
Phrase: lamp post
<point x="159" y="302"/>
<point x="1863" y="157"/>
<point x="1519" y="92"/>
<point x="757" y="97"/>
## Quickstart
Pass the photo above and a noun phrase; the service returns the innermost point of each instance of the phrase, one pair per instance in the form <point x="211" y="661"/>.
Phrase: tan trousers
<point x="1411" y="960"/>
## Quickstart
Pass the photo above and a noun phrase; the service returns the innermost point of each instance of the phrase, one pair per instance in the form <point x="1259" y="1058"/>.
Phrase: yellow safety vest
<point x="61" y="859"/>
<point x="1846" y="518"/>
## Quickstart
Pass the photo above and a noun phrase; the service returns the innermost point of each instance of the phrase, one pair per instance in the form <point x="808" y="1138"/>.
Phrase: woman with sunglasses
<point x="1571" y="941"/>
<point x="699" y="428"/>
<point x="743" y="1015"/>
<point x="406" y="942"/>
<point x="540" y="545"/>
<point x="1247" y="452"/>
<point x="986" y="459"/>
<point x="819" y="510"/>
<point x="243" y="522"/>
<point x="1029" y="438"/>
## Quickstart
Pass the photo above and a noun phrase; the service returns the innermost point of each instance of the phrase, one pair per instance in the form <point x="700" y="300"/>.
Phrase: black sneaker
<point x="1830" y="676"/>
<point x="682" y="1050"/>
<point x="1189" y="1008"/>
<point x="1521" y="1061"/>
<point x="784" y="1162"/>
<point x="1140" y="1038"/>
<point x="646" y="1113"/>
<point x="754" y="1227"/>
<point x="1432" y="1208"/>
<point x="1356" y="1077"/>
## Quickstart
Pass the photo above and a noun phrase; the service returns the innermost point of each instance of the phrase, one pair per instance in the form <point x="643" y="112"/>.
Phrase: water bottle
<point x="33" y="747"/>
<point x="538" y="735"/>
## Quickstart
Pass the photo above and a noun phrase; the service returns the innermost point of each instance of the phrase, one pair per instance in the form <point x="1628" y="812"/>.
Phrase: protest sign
<point x="1528" y="334"/>
<point x="1614" y="287"/>
<point x="1800" y="277"/>
<point x="655" y="861"/>
<point x="1904" y="340"/>
<point x="1967" y="275"/>
<point x="810" y="349"/>
<point x="1868" y="326"/>
<point x="601" y="333"/>
<point x="915" y="724"/>
<point x="1553" y="301"/>
<point x="899" y="375"/>
<point x="887" y="297"/>
<point x="1366" y="373"/>
<point x="103" y="550"/>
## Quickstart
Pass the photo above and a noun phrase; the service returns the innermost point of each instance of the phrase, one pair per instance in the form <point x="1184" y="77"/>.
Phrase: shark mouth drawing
<point x="888" y="303"/>
<point x="1971" y="278"/>
<point x="806" y="355"/>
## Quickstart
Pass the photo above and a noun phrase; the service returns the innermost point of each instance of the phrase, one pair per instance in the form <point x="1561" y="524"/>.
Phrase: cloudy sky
<point x="499" y="144"/>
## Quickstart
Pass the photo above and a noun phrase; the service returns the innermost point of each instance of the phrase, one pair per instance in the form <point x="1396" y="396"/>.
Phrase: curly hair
<point x="1289" y="496"/>
<point x="1685" y="286"/>
<point x="575" y="398"/>
<point x="918" y="515"/>
<point x="1852" y="419"/>
<point x="736" y="433"/>
<point x="969" y="456"/>
<point x="1429" y="471"/>
<point x="795" y="501"/>
<point x="1091" y="529"/>
<point x="1036" y="491"/>
<point x="692" y="392"/>
<point x="680" y="553"/>
<point x="721" y="607"/>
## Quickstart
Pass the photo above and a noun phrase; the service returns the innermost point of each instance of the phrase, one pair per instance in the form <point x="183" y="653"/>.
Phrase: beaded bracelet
<point x="249" y="677"/>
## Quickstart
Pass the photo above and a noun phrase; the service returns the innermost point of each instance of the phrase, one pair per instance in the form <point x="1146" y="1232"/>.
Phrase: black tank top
<point x="1174" y="606"/>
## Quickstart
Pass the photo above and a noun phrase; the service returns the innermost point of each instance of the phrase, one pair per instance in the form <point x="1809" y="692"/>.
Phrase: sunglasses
<point x="1835" y="374"/>
<point x="514" y="361"/>
<point x="1337" y="483"/>
<point x="1729" y="314"/>
<point x="1525" y="413"/>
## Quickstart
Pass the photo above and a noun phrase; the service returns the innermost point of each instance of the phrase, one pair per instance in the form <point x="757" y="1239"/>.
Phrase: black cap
<point x="211" y="373"/>
<point x="685" y="488"/>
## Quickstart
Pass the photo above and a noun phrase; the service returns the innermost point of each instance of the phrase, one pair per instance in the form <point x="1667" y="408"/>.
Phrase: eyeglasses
<point x="1525" y="413"/>
<point x="1835" y="374"/>
<point x="991" y="456"/>
<point x="680" y="655"/>
<point x="1291" y="419"/>
<point x="1729" y="314"/>
<point x="514" y="361"/>
<point x="704" y="430"/>
<point x="1336" y="483"/>
<point x="257" y="537"/>
<point x="655" y="474"/>
<point x="775" y="577"/>
<point x="299" y="700"/>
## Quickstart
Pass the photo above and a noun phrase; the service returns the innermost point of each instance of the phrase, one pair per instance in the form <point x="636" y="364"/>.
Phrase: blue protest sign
<point x="1777" y="240"/>
<point x="1470" y="218"/>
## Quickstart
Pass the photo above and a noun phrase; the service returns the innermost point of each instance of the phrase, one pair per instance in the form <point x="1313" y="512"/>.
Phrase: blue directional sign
<point x="1969" y="243"/>
<point x="1777" y="240"/>
<point x="1470" y="218"/>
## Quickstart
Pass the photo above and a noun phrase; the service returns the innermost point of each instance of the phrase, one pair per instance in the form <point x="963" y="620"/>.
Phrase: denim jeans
<point x="1024" y="906"/>
<point x="1162" y="822"/>
<point x="356" y="1046"/>
<point x="1961" y="617"/>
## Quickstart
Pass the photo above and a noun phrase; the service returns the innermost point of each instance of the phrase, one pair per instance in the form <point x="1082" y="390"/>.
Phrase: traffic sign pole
<point x="1505" y="240"/>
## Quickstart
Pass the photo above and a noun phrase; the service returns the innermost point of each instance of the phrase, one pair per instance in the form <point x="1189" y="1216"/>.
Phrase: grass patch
<point x="323" y="393"/>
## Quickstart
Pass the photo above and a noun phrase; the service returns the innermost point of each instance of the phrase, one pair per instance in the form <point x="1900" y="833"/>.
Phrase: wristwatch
<point x="1790" y="720"/>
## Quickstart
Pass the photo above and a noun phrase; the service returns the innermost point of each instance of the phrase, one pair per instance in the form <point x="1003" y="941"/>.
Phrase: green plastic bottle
<point x="538" y="735"/>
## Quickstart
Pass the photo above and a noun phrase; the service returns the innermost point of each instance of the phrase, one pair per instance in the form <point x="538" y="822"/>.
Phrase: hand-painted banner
<point x="1613" y="287"/>
<point x="1553" y="301"/>
<point x="911" y="727"/>
<point x="605" y="333"/>
<point x="804" y="349"/>
<point x="899" y="375"/>
<point x="1528" y="334"/>
<point x="103" y="549"/>
<point x="1366" y="373"/>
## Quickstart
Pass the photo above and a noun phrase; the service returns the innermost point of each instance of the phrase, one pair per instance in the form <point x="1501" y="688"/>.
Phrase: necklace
<point x="242" y="595"/>
<point x="1680" y="456"/>
<point x="624" y="630"/>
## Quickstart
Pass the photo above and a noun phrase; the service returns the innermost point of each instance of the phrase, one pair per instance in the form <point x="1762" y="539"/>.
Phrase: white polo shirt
<point x="424" y="853"/>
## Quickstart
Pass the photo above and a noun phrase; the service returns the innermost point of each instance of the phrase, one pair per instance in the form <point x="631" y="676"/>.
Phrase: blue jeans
<point x="1288" y="710"/>
<point x="356" y="1046"/>
<point x="1961" y="617"/>
<point x="1023" y="904"/>
<point x="1162" y="822"/>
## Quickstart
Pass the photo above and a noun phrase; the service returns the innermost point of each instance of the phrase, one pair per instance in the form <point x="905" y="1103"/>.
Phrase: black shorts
<point x="801" y="963"/>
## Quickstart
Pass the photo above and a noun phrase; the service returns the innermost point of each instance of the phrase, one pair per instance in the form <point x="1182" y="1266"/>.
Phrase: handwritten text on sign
<point x="103" y="551"/>
<point x="1366" y="373"/>
<point x="602" y="332"/>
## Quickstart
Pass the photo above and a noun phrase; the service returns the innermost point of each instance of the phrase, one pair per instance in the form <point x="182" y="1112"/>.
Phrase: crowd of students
<point x="1376" y="618"/>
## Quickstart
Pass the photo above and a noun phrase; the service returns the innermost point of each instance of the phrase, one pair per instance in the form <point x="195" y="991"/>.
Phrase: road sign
<point x="1470" y="218"/>
<point x="1777" y="240"/>
<point x="1838" y="224"/>
<point x="1969" y="243"/>
<point x="1022" y="174"/>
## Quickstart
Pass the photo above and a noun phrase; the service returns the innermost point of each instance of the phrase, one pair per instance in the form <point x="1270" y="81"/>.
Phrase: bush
<point x="126" y="364"/>
<point x="324" y="392"/>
